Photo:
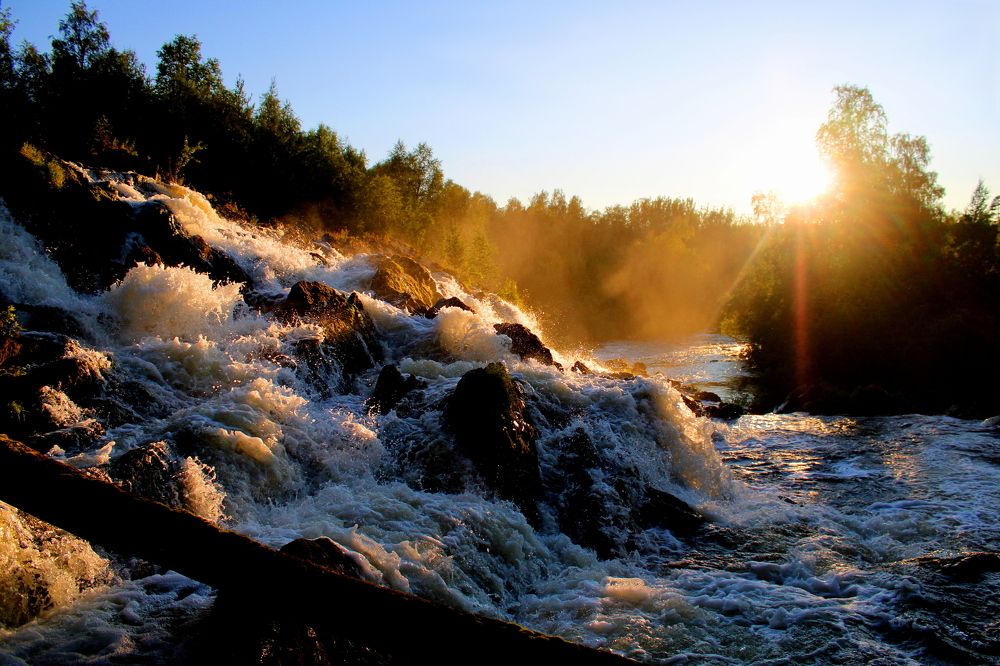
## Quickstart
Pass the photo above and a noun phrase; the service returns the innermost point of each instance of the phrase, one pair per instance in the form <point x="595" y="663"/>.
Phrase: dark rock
<point x="50" y="319"/>
<point x="446" y="303"/>
<point x="706" y="396"/>
<point x="325" y="552"/>
<point x="166" y="239"/>
<point x="349" y="333"/>
<point x="580" y="368"/>
<point x="390" y="388"/>
<point x="602" y="505"/>
<point x="590" y="513"/>
<point x="9" y="348"/>
<point x="404" y="283"/>
<point x="486" y="413"/>
<point x="72" y="439"/>
<point x="525" y="344"/>
<point x="659" y="508"/>
<point x="725" y="410"/>
<point x="696" y="407"/>
<point x="149" y="471"/>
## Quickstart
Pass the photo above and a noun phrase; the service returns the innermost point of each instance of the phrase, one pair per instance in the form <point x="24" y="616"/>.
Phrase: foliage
<point x="10" y="327"/>
<point x="873" y="287"/>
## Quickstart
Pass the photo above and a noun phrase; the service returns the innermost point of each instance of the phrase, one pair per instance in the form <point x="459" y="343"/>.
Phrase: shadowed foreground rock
<point x="404" y="629"/>
<point x="486" y="412"/>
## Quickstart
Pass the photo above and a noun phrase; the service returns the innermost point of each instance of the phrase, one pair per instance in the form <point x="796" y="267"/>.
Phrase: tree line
<point x="587" y="272"/>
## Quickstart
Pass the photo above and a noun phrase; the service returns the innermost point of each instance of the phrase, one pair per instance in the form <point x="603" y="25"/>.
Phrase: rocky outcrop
<point x="487" y="414"/>
<point x="349" y="336"/>
<point x="526" y="344"/>
<point x="390" y="388"/>
<point x="95" y="237"/>
<point x="406" y="284"/>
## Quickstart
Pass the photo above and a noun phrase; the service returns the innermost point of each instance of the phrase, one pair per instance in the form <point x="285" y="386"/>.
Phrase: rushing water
<point x="827" y="540"/>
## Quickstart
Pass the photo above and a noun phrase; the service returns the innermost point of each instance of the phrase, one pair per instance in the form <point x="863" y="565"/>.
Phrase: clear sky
<point x="611" y="101"/>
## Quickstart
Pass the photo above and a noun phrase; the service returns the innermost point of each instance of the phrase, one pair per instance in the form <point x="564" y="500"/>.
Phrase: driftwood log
<point x="412" y="628"/>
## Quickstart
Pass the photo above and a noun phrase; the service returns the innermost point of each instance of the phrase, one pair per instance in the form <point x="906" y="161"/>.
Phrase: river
<point x="829" y="539"/>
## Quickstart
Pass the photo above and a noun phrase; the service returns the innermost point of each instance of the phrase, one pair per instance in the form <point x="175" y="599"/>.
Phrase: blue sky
<point x="609" y="101"/>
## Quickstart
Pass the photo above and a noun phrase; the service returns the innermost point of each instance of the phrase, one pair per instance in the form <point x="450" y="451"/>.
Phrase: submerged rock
<point x="406" y="284"/>
<point x="526" y="344"/>
<point x="486" y="413"/>
<point x="150" y="471"/>
<point x="602" y="505"/>
<point x="390" y="388"/>
<point x="348" y="332"/>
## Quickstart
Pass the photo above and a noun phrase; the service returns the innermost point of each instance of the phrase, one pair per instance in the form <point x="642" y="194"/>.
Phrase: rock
<point x="390" y="388"/>
<point x="580" y="368"/>
<point x="659" y="508"/>
<point x="446" y="303"/>
<point x="602" y="505"/>
<point x="9" y="348"/>
<point x="526" y="344"/>
<point x="71" y="439"/>
<point x="404" y="283"/>
<point x="622" y="369"/>
<point x="161" y="236"/>
<point x="325" y="552"/>
<point x="150" y="471"/>
<point x="486" y="413"/>
<point x="349" y="333"/>
<point x="725" y="410"/>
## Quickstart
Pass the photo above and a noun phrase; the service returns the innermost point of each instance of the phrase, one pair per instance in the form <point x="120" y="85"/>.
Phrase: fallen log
<point x="408" y="627"/>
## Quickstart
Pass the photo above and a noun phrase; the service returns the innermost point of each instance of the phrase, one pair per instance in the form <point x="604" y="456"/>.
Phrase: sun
<point x="792" y="169"/>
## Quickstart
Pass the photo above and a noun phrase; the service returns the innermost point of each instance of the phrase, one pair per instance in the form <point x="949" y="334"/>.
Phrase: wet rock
<point x="50" y="319"/>
<point x="446" y="303"/>
<point x="348" y="332"/>
<point x="525" y="344"/>
<point x="622" y="369"/>
<point x="486" y="413"/>
<point x="150" y="471"/>
<point x="390" y="388"/>
<point x="406" y="284"/>
<point x="580" y="368"/>
<point x="659" y="508"/>
<point x="325" y="552"/>
<point x="72" y="439"/>
<point x="725" y="410"/>
<point x="963" y="567"/>
<point x="589" y="511"/>
<point x="164" y="238"/>
<point x="601" y="505"/>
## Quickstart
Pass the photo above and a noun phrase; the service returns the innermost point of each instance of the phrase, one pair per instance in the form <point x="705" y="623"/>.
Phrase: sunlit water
<point x="808" y="558"/>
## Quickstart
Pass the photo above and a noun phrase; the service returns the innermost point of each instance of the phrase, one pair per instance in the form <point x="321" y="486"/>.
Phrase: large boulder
<point x="406" y="284"/>
<point x="487" y="414"/>
<point x="349" y="335"/>
<point x="526" y="344"/>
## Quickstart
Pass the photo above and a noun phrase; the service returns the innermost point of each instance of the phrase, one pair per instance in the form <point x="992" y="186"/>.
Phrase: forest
<point x="871" y="298"/>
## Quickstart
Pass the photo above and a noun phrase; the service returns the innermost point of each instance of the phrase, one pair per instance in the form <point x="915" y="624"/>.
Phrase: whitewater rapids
<point x="813" y="522"/>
